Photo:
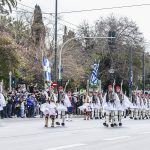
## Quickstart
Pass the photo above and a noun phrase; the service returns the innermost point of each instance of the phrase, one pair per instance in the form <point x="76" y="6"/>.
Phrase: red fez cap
<point x="117" y="87"/>
<point x="52" y="87"/>
<point x="60" y="87"/>
<point x="109" y="86"/>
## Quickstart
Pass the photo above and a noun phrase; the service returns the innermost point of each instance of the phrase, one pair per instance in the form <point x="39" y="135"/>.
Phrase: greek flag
<point x="47" y="69"/>
<point x="93" y="79"/>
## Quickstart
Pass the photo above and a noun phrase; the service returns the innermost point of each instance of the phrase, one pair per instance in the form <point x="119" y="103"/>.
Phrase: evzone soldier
<point x="49" y="109"/>
<point x="53" y="108"/>
<point x="62" y="105"/>
<point x="145" y="108"/>
<point x="110" y="103"/>
<point x="90" y="101"/>
<point x="62" y="108"/>
<point x="86" y="107"/>
<point x="69" y="106"/>
<point x="123" y="105"/>
<point x="140" y="109"/>
<point x="148" y="104"/>
<point x="95" y="106"/>
<point x="147" y="97"/>
<point x="134" y="107"/>
<point x="101" y="105"/>
<point x="2" y="104"/>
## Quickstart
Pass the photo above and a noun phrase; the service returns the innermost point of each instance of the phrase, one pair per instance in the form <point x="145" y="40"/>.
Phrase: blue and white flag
<point x="93" y="79"/>
<point x="47" y="69"/>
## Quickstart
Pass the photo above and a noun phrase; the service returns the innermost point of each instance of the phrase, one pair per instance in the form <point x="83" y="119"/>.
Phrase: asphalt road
<point x="29" y="134"/>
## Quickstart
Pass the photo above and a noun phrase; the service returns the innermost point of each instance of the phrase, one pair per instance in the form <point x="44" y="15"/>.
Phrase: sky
<point x="140" y="15"/>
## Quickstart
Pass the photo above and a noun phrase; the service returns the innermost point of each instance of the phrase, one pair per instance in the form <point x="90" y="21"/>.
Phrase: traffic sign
<point x="54" y="84"/>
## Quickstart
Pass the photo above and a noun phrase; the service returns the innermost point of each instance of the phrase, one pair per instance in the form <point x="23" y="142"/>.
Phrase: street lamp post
<point x="130" y="72"/>
<point x="10" y="80"/>
<point x="143" y="72"/>
<point x="55" y="65"/>
<point x="60" y="52"/>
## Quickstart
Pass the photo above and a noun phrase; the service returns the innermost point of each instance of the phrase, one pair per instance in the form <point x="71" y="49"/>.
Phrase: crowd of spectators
<point x="25" y="104"/>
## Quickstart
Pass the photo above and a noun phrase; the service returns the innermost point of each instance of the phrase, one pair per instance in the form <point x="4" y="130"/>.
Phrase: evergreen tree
<point x="37" y="28"/>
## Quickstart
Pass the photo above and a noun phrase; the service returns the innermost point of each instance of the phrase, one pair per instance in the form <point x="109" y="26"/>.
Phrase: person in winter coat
<point x="2" y="104"/>
<point x="30" y="105"/>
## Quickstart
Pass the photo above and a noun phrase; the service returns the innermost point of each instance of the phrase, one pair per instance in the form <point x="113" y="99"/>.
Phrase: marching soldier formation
<point x="112" y="106"/>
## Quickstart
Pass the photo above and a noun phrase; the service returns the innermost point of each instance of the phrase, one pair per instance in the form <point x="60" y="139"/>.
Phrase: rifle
<point x="63" y="92"/>
<point x="114" y="89"/>
<point x="136" y="90"/>
<point x="114" y="86"/>
<point x="136" y="95"/>
<point x="52" y="95"/>
<point x="122" y="96"/>
<point x="100" y="86"/>
<point x="66" y="86"/>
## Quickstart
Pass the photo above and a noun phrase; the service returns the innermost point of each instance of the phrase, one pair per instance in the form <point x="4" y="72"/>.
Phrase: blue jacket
<point x="30" y="101"/>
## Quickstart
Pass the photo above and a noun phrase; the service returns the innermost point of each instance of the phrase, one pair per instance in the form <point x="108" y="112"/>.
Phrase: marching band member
<point x="110" y="104"/>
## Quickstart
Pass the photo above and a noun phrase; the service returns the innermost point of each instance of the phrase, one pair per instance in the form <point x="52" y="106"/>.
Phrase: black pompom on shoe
<point x="104" y="123"/>
<point x="46" y="126"/>
<point x="120" y="124"/>
<point x="112" y="125"/>
<point x="107" y="125"/>
<point x="115" y="125"/>
<point x="63" y="124"/>
<point x="57" y="123"/>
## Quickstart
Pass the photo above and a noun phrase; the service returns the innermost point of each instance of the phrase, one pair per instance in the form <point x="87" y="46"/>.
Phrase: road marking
<point x="116" y="138"/>
<point x="65" y="147"/>
<point x="145" y="133"/>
